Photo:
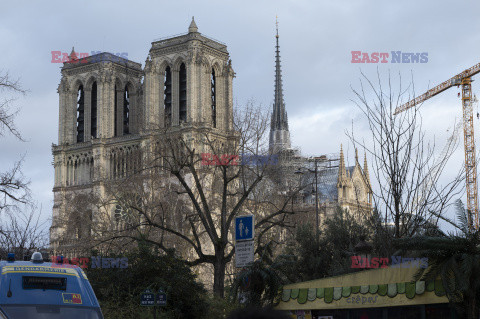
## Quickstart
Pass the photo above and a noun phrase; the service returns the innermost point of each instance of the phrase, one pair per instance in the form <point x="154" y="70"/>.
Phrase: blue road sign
<point x="147" y="298"/>
<point x="161" y="299"/>
<point x="244" y="228"/>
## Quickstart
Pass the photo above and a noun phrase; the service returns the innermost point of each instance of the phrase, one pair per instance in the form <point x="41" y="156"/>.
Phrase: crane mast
<point x="463" y="79"/>
<point x="470" y="163"/>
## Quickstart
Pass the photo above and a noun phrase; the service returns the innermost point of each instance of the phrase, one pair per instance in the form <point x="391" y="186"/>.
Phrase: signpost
<point x="161" y="298"/>
<point x="244" y="228"/>
<point x="244" y="240"/>
<point x="244" y="253"/>
<point x="149" y="298"/>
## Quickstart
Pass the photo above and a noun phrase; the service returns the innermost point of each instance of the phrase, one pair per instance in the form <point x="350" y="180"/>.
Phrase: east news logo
<point x="96" y="262"/>
<point x="395" y="57"/>
<point x="382" y="262"/>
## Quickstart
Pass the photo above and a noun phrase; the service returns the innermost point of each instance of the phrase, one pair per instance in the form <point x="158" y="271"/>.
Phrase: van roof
<point x="26" y="282"/>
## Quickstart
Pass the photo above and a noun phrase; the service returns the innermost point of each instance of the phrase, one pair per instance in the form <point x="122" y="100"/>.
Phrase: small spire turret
<point x="365" y="169"/>
<point x="193" y="26"/>
<point x="342" y="171"/>
<point x="73" y="55"/>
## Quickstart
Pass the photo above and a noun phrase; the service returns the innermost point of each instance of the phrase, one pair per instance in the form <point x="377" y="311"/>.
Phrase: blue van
<point x="36" y="289"/>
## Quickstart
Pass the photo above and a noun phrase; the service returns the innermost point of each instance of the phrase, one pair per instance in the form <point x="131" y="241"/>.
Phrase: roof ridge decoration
<point x="193" y="26"/>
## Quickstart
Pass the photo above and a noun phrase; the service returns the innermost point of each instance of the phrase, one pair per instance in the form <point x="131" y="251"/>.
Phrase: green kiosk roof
<point x="383" y="287"/>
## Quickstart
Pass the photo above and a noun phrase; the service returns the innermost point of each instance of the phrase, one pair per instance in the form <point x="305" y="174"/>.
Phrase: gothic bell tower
<point x="100" y="116"/>
<point x="99" y="98"/>
<point x="110" y="109"/>
<point x="188" y="83"/>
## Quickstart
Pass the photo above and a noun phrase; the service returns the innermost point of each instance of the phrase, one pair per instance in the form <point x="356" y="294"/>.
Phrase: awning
<point x="382" y="287"/>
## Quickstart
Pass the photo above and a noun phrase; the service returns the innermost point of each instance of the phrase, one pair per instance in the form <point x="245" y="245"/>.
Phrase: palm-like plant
<point x="259" y="282"/>
<point x="455" y="259"/>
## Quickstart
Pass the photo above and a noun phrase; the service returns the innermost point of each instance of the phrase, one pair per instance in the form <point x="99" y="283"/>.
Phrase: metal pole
<point x="291" y="192"/>
<point x="316" y="196"/>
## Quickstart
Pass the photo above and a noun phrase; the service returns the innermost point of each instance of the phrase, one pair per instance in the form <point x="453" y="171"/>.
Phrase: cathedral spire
<point x="279" y="118"/>
<point x="279" y="133"/>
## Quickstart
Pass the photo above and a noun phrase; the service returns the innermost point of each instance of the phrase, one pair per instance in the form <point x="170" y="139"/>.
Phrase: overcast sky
<point x="316" y="40"/>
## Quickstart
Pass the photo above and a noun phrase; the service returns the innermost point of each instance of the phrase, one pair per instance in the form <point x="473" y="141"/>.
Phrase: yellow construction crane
<point x="465" y="80"/>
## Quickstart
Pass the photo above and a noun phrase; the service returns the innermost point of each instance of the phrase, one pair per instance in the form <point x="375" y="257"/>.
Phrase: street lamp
<point x="316" y="194"/>
<point x="364" y="250"/>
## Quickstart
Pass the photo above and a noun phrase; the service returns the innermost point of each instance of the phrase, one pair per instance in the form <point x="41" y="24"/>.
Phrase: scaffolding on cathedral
<point x="325" y="179"/>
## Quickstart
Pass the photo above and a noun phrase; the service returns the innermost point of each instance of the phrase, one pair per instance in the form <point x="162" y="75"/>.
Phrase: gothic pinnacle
<point x="73" y="55"/>
<point x="365" y="169"/>
<point x="193" y="26"/>
<point x="342" y="172"/>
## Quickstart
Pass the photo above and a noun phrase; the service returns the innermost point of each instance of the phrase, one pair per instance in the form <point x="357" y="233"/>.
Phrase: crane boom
<point x="463" y="79"/>
<point x="456" y="80"/>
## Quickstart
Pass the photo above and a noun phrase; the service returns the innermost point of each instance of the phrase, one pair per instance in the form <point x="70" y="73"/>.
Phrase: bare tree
<point x="405" y="163"/>
<point x="13" y="185"/>
<point x="190" y="193"/>
<point x="22" y="232"/>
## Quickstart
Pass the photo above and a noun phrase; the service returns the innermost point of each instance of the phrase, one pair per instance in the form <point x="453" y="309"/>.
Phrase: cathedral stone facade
<point x="108" y="115"/>
<point x="110" y="108"/>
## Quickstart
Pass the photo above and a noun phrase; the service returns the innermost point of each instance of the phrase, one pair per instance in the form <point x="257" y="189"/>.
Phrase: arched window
<point x="167" y="94"/>
<point x="183" y="93"/>
<point x="79" y="231"/>
<point x="115" y="111"/>
<point x="80" y="114"/>
<point x="93" y="115"/>
<point x="214" y="99"/>
<point x="118" y="213"/>
<point x="126" y="112"/>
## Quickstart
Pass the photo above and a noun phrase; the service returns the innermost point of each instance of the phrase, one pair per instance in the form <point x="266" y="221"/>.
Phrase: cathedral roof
<point x="191" y="35"/>
<point x="101" y="58"/>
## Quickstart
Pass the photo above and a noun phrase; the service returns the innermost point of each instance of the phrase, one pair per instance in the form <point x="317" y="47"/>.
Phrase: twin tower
<point x="109" y="106"/>
<point x="187" y="80"/>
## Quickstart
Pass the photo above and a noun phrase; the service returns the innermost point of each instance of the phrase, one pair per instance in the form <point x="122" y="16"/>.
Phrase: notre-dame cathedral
<point x="108" y="109"/>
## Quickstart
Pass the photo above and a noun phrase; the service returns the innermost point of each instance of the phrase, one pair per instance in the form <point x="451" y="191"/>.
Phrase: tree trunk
<point x="219" y="273"/>
<point x="472" y="307"/>
<point x="397" y="225"/>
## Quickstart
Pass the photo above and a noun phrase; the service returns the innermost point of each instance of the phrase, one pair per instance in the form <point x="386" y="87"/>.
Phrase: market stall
<point x="379" y="293"/>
